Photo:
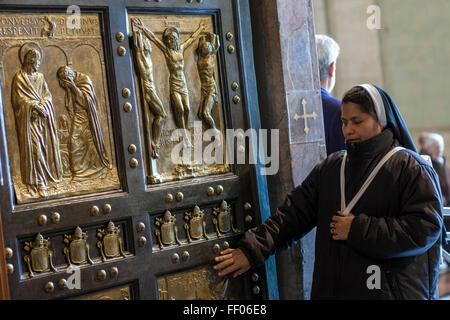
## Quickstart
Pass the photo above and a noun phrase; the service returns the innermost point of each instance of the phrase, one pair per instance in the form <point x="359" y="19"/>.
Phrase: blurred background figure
<point x="327" y="54"/>
<point x="432" y="144"/>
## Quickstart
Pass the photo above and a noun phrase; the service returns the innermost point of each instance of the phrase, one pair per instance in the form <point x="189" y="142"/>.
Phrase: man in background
<point x="328" y="52"/>
<point x="432" y="144"/>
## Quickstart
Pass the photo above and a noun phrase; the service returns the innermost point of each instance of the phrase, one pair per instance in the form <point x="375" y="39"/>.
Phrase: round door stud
<point x="120" y="36"/>
<point x="106" y="208"/>
<point x="49" y="287"/>
<point x="114" y="272"/>
<point x="9" y="253"/>
<point x="101" y="275"/>
<point x="210" y="191"/>
<point x="142" y="241"/>
<point x="175" y="258"/>
<point x="10" y="268"/>
<point x="132" y="148"/>
<point x="140" y="227"/>
<point x="127" y="107"/>
<point x="121" y="51"/>
<point x="126" y="92"/>
<point x="219" y="189"/>
<point x="62" y="284"/>
<point x="55" y="217"/>
<point x="42" y="220"/>
<point x="94" y="211"/>
<point x="179" y="196"/>
<point x="185" y="256"/>
<point x="169" y="198"/>
<point x="134" y="162"/>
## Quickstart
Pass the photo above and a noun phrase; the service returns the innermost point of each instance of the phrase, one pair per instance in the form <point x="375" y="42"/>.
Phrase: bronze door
<point x="110" y="188"/>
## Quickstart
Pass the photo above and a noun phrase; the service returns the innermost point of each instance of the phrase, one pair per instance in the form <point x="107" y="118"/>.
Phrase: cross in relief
<point x="305" y="116"/>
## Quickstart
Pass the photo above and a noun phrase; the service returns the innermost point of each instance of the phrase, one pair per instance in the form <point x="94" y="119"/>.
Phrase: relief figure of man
<point x="37" y="132"/>
<point x="143" y="49"/>
<point x="207" y="49"/>
<point x="86" y="146"/>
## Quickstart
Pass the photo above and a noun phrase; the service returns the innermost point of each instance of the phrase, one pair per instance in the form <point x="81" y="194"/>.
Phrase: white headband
<point x="377" y="101"/>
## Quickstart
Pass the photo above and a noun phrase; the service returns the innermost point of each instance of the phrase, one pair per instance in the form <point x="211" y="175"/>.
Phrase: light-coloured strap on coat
<point x="347" y="209"/>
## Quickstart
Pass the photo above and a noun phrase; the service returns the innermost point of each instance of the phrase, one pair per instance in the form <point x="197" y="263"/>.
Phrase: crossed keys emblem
<point x="305" y="116"/>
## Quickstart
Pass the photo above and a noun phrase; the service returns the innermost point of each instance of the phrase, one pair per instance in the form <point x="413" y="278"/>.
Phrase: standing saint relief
<point x="36" y="124"/>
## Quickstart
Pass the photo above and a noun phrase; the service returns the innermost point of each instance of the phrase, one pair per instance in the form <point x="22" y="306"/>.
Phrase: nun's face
<point x="357" y="125"/>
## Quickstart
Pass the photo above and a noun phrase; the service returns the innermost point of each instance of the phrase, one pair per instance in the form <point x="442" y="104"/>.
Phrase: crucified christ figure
<point x="174" y="54"/>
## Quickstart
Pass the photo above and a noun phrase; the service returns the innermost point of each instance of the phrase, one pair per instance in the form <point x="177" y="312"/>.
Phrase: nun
<point x="377" y="207"/>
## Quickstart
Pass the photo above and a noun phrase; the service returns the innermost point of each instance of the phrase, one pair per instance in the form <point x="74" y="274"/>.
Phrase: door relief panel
<point x="118" y="293"/>
<point x="55" y="252"/>
<point x="177" y="74"/>
<point x="199" y="284"/>
<point x="56" y="106"/>
<point x="117" y="182"/>
<point x="176" y="228"/>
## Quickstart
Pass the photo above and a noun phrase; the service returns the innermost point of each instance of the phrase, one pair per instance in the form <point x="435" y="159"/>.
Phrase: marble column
<point x="288" y="90"/>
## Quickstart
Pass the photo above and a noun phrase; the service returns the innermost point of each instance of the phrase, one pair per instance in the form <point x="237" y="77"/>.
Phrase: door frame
<point x="4" y="289"/>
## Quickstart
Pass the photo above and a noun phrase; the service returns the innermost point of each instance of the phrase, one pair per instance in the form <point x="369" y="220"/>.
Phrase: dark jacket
<point x="334" y="138"/>
<point x="397" y="225"/>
